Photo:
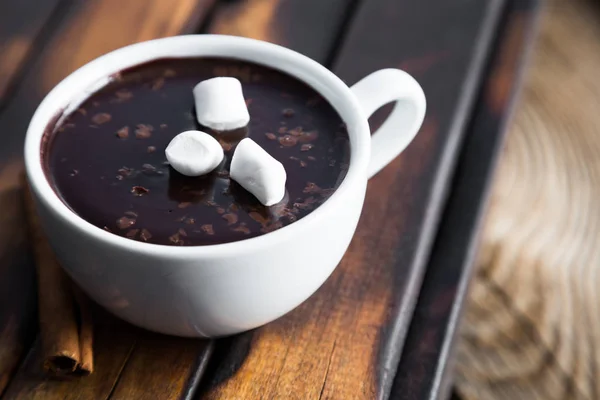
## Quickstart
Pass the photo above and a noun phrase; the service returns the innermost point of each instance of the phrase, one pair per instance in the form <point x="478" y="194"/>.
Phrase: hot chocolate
<point x="106" y="160"/>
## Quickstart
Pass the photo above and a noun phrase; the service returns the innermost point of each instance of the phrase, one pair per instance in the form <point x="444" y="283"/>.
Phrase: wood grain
<point x="425" y="370"/>
<point x="164" y="368"/>
<point x="531" y="326"/>
<point x="21" y="26"/>
<point x="310" y="27"/>
<point x="87" y="30"/>
<point x="345" y="341"/>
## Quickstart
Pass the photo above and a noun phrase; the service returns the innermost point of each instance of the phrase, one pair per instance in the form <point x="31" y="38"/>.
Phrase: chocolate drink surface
<point x="106" y="160"/>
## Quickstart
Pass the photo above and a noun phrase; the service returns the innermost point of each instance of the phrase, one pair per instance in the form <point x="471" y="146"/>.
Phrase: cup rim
<point x="96" y="73"/>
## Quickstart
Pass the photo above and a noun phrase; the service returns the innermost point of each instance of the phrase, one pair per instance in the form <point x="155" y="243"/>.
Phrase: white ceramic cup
<point x="207" y="291"/>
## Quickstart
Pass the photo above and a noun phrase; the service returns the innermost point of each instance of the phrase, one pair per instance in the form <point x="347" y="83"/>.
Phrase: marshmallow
<point x="257" y="172"/>
<point x="220" y="104"/>
<point x="194" y="153"/>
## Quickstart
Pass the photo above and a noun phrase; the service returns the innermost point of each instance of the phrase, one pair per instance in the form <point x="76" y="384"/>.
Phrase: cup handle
<point x="402" y="125"/>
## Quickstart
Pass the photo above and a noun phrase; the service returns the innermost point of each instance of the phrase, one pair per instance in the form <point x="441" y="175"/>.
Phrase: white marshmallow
<point x="194" y="153"/>
<point x="220" y="104"/>
<point x="257" y="172"/>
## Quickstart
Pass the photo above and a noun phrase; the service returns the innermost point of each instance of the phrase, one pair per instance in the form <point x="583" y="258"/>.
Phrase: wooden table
<point x="382" y="326"/>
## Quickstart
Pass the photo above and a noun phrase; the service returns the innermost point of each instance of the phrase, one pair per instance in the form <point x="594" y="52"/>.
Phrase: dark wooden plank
<point x="345" y="341"/>
<point x="310" y="27"/>
<point x="161" y="367"/>
<point x="17" y="328"/>
<point x="21" y="26"/>
<point x="88" y="29"/>
<point x="425" y="369"/>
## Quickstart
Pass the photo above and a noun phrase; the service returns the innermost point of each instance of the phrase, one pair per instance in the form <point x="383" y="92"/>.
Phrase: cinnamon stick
<point x="86" y="333"/>
<point x="65" y="327"/>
